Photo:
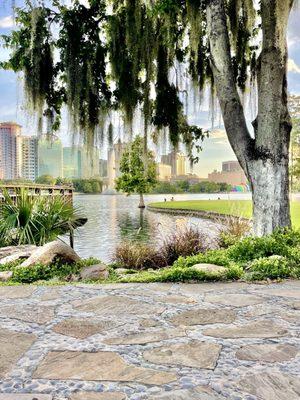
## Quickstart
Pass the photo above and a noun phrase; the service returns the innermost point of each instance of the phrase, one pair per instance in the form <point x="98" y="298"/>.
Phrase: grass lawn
<point x="232" y="207"/>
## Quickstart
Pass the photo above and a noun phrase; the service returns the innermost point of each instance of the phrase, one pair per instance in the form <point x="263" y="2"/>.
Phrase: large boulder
<point x="46" y="254"/>
<point x="210" y="269"/>
<point x="94" y="272"/>
<point x="14" y="253"/>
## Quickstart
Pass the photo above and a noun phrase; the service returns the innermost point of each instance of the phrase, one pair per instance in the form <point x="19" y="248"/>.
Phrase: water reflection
<point x="114" y="218"/>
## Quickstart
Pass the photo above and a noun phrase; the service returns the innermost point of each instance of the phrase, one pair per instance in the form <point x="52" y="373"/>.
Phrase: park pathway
<point x="150" y="341"/>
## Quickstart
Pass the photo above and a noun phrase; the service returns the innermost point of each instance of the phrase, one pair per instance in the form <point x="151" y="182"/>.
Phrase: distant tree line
<point x="92" y="185"/>
<point x="187" y="187"/>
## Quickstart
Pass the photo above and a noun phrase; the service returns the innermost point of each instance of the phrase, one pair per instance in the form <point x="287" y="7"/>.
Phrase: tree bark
<point x="264" y="157"/>
<point x="142" y="203"/>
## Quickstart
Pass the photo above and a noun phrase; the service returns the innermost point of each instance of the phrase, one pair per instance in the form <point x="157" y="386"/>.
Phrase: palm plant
<point x="35" y="220"/>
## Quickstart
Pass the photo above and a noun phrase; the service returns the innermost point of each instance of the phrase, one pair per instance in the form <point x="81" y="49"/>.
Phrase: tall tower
<point x="50" y="155"/>
<point x="27" y="157"/>
<point x="8" y="150"/>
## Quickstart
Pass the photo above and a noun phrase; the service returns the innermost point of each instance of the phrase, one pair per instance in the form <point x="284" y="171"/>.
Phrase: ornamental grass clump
<point x="232" y="229"/>
<point x="185" y="241"/>
<point x="139" y="256"/>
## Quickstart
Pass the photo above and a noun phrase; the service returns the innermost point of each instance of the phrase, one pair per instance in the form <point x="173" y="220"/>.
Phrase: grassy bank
<point x="229" y="207"/>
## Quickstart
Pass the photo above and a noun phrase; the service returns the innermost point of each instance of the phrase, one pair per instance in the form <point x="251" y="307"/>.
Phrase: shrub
<point x="218" y="257"/>
<point x="35" y="220"/>
<point x="139" y="256"/>
<point x="232" y="229"/>
<point x="186" y="241"/>
<point x="274" y="267"/>
<point x="41" y="272"/>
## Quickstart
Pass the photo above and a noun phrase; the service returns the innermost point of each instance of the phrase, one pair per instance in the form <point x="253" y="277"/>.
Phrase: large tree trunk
<point x="264" y="157"/>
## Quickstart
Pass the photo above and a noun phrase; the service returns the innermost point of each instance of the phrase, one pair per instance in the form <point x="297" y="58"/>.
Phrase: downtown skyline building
<point x="9" y="131"/>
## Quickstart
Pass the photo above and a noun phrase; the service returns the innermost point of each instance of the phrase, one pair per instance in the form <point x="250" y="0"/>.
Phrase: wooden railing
<point x="36" y="190"/>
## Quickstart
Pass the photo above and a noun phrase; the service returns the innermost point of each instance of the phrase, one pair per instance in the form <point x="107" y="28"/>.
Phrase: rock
<point x="117" y="307"/>
<point x="121" y="271"/>
<point x="235" y="300"/>
<point x="13" y="345"/>
<point x="83" y="328"/>
<point x="98" y="396"/>
<point x="194" y="354"/>
<point x="210" y="269"/>
<point x="147" y="337"/>
<point x="267" y="352"/>
<point x="204" y="316"/>
<point x="197" y="393"/>
<point x="94" y="272"/>
<point x="5" y="276"/>
<point x="69" y="365"/>
<point x="289" y="293"/>
<point x="257" y="329"/>
<point x="46" y="254"/>
<point x="16" y="292"/>
<point x="32" y="396"/>
<point x="28" y="313"/>
<point x="23" y="250"/>
<point x="271" y="386"/>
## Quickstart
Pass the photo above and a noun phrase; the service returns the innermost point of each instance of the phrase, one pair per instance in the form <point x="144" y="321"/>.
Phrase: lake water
<point x="114" y="218"/>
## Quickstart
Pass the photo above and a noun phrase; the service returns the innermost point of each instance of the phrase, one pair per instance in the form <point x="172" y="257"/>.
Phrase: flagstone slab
<point x="263" y="309"/>
<point x="197" y="393"/>
<point x="16" y="292"/>
<point x="98" y="396"/>
<point x="295" y="305"/>
<point x="271" y="386"/>
<point x="175" y="299"/>
<point x="289" y="293"/>
<point x="147" y="337"/>
<point x="28" y="313"/>
<point x="117" y="306"/>
<point x="98" y="366"/>
<point x="257" y="329"/>
<point x="272" y="352"/>
<point x="149" y="323"/>
<point x="18" y="396"/>
<point x="204" y="316"/>
<point x="235" y="300"/>
<point x="83" y="328"/>
<point x="12" y="347"/>
<point x="194" y="354"/>
<point x="293" y="317"/>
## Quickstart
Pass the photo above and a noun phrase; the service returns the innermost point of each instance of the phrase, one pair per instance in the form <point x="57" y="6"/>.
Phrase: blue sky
<point x="216" y="148"/>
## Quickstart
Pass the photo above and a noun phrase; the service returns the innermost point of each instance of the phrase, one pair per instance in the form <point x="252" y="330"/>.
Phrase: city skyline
<point x="215" y="149"/>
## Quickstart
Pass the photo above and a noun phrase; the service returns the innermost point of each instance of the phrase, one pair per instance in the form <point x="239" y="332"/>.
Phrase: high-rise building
<point x="50" y="157"/>
<point x="113" y="162"/>
<point x="72" y="162"/>
<point x="27" y="157"/>
<point x="89" y="162"/>
<point x="164" y="172"/>
<point x="102" y="168"/>
<point x="8" y="150"/>
<point x="80" y="162"/>
<point x="231" y="173"/>
<point x="177" y="161"/>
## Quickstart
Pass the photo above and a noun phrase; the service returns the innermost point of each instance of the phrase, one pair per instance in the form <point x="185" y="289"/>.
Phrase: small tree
<point x="138" y="171"/>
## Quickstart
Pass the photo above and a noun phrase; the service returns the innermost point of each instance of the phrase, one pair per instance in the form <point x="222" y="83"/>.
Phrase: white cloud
<point x="293" y="67"/>
<point x="6" y="22"/>
<point x="218" y="134"/>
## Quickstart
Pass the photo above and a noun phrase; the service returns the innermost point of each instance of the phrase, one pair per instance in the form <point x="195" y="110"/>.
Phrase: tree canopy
<point x="138" y="169"/>
<point x="124" y="55"/>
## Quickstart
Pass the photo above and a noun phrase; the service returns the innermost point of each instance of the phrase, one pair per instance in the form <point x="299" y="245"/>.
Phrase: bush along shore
<point x="272" y="257"/>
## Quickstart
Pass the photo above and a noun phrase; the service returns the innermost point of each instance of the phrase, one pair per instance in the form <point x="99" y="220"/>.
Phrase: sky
<point x="215" y="149"/>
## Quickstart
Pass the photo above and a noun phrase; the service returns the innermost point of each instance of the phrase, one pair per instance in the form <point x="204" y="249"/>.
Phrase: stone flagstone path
<point x="153" y="341"/>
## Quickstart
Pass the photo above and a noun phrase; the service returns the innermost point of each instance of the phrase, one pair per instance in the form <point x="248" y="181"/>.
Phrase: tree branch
<point x="231" y="106"/>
